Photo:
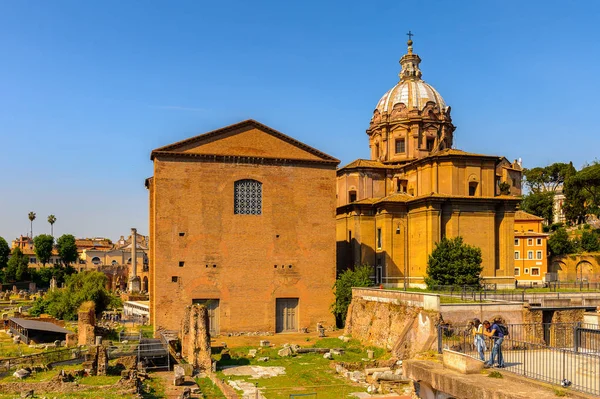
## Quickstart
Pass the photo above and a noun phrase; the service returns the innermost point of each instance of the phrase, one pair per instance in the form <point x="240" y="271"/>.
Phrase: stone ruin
<point x="195" y="338"/>
<point x="96" y="360"/>
<point x="86" y="324"/>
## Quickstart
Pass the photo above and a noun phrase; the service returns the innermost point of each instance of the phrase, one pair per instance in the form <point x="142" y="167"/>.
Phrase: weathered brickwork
<point x="201" y="250"/>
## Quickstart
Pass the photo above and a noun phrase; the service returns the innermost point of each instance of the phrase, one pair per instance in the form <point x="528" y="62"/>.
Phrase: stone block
<point x="178" y="380"/>
<point x="263" y="359"/>
<point x="264" y="343"/>
<point x="327" y="356"/>
<point x="462" y="363"/>
<point x="252" y="353"/>
<point x="178" y="370"/>
<point x="287" y="351"/>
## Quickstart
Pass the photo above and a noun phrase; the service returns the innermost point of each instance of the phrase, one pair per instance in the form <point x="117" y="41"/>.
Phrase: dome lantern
<point x="411" y="120"/>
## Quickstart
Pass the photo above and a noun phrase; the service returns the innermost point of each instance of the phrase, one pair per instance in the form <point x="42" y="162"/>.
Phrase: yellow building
<point x="531" y="251"/>
<point x="416" y="189"/>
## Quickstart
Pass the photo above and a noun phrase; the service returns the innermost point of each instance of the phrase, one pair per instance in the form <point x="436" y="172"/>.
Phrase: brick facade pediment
<point x="246" y="139"/>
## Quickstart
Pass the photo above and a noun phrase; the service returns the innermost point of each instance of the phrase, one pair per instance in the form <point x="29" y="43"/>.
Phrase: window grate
<point x="248" y="197"/>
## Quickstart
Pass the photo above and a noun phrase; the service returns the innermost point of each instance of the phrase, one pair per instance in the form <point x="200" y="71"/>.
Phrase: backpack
<point x="503" y="329"/>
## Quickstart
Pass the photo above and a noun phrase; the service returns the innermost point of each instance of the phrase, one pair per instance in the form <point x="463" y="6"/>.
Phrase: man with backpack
<point x="497" y="331"/>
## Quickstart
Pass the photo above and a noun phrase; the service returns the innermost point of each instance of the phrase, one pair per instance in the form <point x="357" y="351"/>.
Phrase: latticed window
<point x="248" y="197"/>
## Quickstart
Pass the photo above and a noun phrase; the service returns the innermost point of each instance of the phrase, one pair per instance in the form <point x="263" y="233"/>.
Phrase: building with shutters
<point x="242" y="219"/>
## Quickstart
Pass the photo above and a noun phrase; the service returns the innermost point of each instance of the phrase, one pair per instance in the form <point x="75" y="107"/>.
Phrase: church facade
<point x="242" y="219"/>
<point x="416" y="189"/>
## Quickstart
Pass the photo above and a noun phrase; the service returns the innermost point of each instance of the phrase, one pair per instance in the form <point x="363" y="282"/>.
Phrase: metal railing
<point x="566" y="354"/>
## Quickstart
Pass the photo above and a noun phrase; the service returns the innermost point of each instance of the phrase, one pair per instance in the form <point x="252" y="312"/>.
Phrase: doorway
<point x="212" y="306"/>
<point x="286" y="315"/>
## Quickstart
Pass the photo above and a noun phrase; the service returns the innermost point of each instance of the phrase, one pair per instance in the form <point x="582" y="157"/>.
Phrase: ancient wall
<point x="195" y="339"/>
<point x="583" y="267"/>
<point x="404" y="330"/>
<point x="86" y="322"/>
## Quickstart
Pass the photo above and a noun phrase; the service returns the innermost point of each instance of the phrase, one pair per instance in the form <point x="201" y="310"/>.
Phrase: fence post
<point x="576" y="336"/>
<point x="439" y="338"/>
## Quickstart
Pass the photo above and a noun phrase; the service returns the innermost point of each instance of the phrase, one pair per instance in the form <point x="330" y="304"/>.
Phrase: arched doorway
<point x="584" y="271"/>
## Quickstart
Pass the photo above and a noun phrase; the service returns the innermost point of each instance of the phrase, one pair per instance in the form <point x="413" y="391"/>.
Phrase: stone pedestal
<point x="135" y="284"/>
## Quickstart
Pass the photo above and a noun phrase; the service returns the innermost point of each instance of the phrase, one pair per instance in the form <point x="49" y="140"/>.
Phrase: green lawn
<point x="209" y="390"/>
<point x="304" y="373"/>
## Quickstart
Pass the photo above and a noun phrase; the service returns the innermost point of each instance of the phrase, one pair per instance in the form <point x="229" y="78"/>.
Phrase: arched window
<point x="248" y="197"/>
<point x="96" y="260"/>
<point x="114" y="263"/>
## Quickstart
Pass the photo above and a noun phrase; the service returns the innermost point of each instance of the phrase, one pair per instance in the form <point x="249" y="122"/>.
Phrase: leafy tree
<point x="453" y="262"/>
<point x="359" y="277"/>
<point x="67" y="249"/>
<point x="52" y="220"/>
<point x="540" y="204"/>
<point x="80" y="287"/>
<point x="16" y="269"/>
<point x="43" y="245"/>
<point x="4" y="253"/>
<point x="31" y="217"/>
<point x="587" y="182"/>
<point x="590" y="241"/>
<point x="547" y="178"/>
<point x="560" y="244"/>
<point x="504" y="188"/>
<point x="43" y="275"/>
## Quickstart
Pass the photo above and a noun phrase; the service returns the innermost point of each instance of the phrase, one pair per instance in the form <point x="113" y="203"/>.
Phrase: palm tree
<point x="52" y="220"/>
<point x="31" y="219"/>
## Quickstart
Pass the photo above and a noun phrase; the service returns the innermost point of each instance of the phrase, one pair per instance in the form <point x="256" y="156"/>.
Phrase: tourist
<point x="496" y="333"/>
<point x="479" y="339"/>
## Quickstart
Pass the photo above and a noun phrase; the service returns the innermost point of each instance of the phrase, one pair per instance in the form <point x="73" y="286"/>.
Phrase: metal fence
<point x="566" y="354"/>
<point x="489" y="292"/>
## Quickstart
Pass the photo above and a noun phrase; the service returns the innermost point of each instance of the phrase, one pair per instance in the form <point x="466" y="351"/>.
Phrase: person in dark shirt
<point x="495" y="333"/>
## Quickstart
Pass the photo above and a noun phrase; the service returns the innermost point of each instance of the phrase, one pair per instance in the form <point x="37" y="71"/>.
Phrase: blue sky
<point x="88" y="89"/>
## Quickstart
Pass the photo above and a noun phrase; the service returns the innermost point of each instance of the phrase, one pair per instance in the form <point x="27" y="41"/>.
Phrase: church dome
<point x="411" y="93"/>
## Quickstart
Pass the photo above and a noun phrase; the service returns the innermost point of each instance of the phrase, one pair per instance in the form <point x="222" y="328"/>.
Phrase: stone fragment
<point x="286" y="351"/>
<point x="252" y="353"/>
<point x="265" y="343"/>
<point x="336" y="352"/>
<point x="22" y="373"/>
<point x="263" y="359"/>
<point x="178" y="380"/>
<point x="178" y="370"/>
<point x="327" y="356"/>
<point x="370" y="354"/>
<point x="294" y="348"/>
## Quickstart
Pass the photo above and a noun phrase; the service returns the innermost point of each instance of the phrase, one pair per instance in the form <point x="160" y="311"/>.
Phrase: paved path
<point x="554" y="366"/>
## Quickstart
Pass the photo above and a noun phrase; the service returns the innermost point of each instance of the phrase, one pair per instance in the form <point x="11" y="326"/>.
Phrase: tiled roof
<point x="365" y="163"/>
<point x="522" y="215"/>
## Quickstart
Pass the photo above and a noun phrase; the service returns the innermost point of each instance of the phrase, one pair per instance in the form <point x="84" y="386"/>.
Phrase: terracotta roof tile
<point x="522" y="215"/>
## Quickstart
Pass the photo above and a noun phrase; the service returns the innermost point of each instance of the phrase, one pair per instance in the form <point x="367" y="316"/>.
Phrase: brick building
<point x="416" y="189"/>
<point x="243" y="219"/>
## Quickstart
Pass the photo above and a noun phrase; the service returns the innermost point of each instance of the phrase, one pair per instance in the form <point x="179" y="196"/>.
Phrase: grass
<point x="209" y="390"/>
<point x="153" y="389"/>
<point x="304" y="373"/>
<point x="9" y="349"/>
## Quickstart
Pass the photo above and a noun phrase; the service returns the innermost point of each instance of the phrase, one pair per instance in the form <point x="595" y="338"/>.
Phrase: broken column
<point x="195" y="337"/>
<point x="86" y="324"/>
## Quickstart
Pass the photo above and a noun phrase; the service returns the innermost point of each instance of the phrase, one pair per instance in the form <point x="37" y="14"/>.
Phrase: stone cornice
<point x="169" y="155"/>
